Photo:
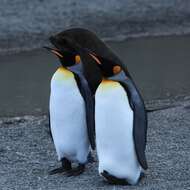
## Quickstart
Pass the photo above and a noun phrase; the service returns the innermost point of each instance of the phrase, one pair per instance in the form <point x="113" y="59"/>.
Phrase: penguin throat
<point x="104" y="80"/>
<point x="62" y="68"/>
<point x="65" y="71"/>
<point x="108" y="84"/>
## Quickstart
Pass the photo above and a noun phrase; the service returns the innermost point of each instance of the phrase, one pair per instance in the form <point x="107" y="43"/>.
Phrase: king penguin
<point x="121" y="126"/>
<point x="120" y="120"/>
<point x="70" y="110"/>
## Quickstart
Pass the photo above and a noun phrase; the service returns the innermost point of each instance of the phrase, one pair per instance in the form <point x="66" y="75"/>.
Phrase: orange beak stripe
<point x="56" y="53"/>
<point x="95" y="58"/>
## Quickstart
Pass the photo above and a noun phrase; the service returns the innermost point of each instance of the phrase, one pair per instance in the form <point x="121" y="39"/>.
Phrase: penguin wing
<point x="89" y="105"/>
<point x="49" y="126"/>
<point x="139" y="121"/>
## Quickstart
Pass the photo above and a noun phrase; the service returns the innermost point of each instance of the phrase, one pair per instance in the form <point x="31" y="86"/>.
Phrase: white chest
<point x="114" y="132"/>
<point x="68" y="118"/>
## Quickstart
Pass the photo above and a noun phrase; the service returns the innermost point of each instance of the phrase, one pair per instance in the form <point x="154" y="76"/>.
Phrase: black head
<point x="89" y="40"/>
<point x="66" y="54"/>
<point x="107" y="67"/>
<point x="88" y="65"/>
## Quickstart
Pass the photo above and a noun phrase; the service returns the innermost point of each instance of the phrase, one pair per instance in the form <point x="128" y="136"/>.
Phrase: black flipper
<point x="49" y="126"/>
<point x="140" y="120"/>
<point x="89" y="105"/>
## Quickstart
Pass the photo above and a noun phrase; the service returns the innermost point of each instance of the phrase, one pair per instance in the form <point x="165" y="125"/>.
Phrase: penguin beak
<point x="54" y="51"/>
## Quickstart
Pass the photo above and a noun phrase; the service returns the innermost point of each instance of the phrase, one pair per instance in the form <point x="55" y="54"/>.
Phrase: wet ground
<point x="160" y="67"/>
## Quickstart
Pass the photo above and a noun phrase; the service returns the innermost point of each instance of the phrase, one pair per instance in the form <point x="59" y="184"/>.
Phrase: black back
<point x="89" y="107"/>
<point x="88" y="40"/>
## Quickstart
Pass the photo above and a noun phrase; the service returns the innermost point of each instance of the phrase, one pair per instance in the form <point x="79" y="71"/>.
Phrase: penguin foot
<point x="142" y="175"/>
<point x="90" y="158"/>
<point x="66" y="166"/>
<point x="76" y="171"/>
<point x="113" y="180"/>
<point x="57" y="171"/>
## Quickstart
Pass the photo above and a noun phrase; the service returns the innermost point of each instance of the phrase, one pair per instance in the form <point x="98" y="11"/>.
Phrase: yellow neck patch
<point x="108" y="84"/>
<point x="62" y="74"/>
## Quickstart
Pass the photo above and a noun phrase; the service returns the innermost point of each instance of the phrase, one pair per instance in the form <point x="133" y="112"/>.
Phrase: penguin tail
<point x="160" y="108"/>
<point x="113" y="180"/>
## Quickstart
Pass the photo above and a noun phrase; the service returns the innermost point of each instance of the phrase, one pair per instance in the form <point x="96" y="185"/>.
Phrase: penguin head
<point x="66" y="54"/>
<point x="108" y="68"/>
<point x="87" y="68"/>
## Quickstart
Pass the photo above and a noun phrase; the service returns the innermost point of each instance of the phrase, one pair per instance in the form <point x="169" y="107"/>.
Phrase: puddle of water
<point x="160" y="67"/>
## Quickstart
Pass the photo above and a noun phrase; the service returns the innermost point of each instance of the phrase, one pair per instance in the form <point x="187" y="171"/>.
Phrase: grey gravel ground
<point x="27" y="154"/>
<point x="27" y="24"/>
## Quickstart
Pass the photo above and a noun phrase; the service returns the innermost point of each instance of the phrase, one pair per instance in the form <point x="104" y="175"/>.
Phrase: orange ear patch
<point x="116" y="69"/>
<point x="77" y="59"/>
<point x="95" y="58"/>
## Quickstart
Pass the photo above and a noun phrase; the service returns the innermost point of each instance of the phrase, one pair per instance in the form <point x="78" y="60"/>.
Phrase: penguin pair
<point x="118" y="112"/>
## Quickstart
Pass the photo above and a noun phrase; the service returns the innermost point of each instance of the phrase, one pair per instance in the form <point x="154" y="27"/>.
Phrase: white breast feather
<point x="114" y="133"/>
<point x="68" y="120"/>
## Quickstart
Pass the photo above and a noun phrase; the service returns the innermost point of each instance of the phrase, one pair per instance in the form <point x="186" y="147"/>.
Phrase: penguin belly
<point x="114" y="133"/>
<point x="68" y="118"/>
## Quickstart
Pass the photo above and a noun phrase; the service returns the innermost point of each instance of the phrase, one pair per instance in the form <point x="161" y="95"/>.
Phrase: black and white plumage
<point x="121" y="126"/>
<point x="71" y="109"/>
<point x="120" y="116"/>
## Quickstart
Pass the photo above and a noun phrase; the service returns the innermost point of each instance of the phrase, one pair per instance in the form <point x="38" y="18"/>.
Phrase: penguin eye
<point x="116" y="69"/>
<point x="77" y="59"/>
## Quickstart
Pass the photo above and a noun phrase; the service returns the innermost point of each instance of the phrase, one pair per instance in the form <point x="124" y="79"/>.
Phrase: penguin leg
<point x="66" y="166"/>
<point x="142" y="175"/>
<point x="76" y="171"/>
